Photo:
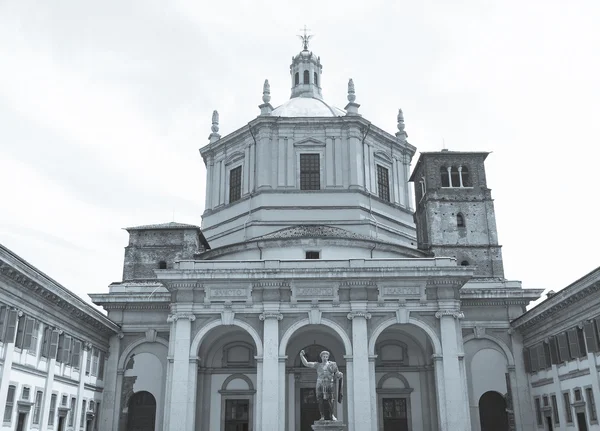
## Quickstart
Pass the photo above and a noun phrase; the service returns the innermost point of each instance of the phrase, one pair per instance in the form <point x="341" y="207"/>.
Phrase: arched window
<point x="316" y="80"/>
<point x="445" y="176"/>
<point x="460" y="220"/>
<point x="306" y="77"/>
<point x="162" y="265"/>
<point x="297" y="78"/>
<point x="464" y="263"/>
<point x="466" y="179"/>
<point x="454" y="177"/>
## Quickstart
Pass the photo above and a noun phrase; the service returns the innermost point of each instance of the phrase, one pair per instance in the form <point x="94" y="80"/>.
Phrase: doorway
<point x="492" y="412"/>
<point x="21" y="421"/>
<point x="142" y="412"/>
<point x="309" y="409"/>
<point x="581" y="422"/>
<point x="550" y="427"/>
<point x="61" y="423"/>
<point x="394" y="414"/>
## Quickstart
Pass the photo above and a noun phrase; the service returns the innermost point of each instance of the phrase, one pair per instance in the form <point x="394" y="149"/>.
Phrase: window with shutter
<point x="82" y="414"/>
<point x="527" y="360"/>
<point x="53" y="349"/>
<point x="541" y="356"/>
<point x="52" y="411"/>
<point x="46" y="342"/>
<point x="563" y="347"/>
<point x="101" y="366"/>
<point x="555" y="410"/>
<point x="76" y="354"/>
<point x="3" y="316"/>
<point x="535" y="366"/>
<point x="554" y="351"/>
<point x="568" y="408"/>
<point x="33" y="343"/>
<point x="66" y="357"/>
<point x="581" y="342"/>
<point x="11" y="326"/>
<point x="20" y="332"/>
<point x="94" y="362"/>
<point x="29" y="324"/>
<point x="547" y="358"/>
<point x="72" y="412"/>
<point x="88" y="363"/>
<point x="37" y="409"/>
<point x="10" y="402"/>
<point x="591" y="339"/>
<point x="573" y="343"/>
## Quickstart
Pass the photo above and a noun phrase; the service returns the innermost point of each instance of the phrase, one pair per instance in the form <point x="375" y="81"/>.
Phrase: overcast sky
<point x="104" y="104"/>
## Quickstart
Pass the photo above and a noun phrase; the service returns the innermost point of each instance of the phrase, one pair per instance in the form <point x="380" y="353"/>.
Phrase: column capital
<point x="457" y="314"/>
<point x="87" y="346"/>
<point x="176" y="316"/>
<point x="270" y="315"/>
<point x="437" y="357"/>
<point x="353" y="314"/>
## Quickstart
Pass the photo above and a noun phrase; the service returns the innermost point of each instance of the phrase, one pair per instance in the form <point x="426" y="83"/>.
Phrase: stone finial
<point x="266" y="108"/>
<point x="214" y="136"/>
<point x="352" y="106"/>
<point x="266" y="92"/>
<point x="351" y="92"/>
<point x="401" y="134"/>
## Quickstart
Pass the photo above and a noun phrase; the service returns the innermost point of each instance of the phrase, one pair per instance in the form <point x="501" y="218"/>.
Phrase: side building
<point x="561" y="352"/>
<point x="53" y="350"/>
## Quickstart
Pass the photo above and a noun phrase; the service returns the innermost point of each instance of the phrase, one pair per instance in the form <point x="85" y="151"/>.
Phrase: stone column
<point x="440" y="391"/>
<point x="109" y="415"/>
<point x="270" y="372"/>
<point x="348" y="384"/>
<point x="524" y="414"/>
<point x="87" y="348"/>
<point x="456" y="418"/>
<point x="373" y="391"/>
<point x="48" y="394"/>
<point x="259" y="386"/>
<point x="180" y="396"/>
<point x="361" y="371"/>
<point x="9" y="349"/>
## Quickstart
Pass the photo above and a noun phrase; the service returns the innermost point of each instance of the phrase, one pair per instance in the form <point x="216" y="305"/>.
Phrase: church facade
<point x="309" y="241"/>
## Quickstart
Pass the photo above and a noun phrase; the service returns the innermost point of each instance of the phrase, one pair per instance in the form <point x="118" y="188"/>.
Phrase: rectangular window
<point x="554" y="351"/>
<point x="383" y="183"/>
<point x="33" y="341"/>
<point x="538" y="412"/>
<point x="235" y="184"/>
<point x="10" y="402"/>
<point x="64" y="349"/>
<point x="573" y="343"/>
<point x="95" y="355"/>
<point x="547" y="356"/>
<point x="577" y="393"/>
<point x="54" y="339"/>
<point x="52" y="411"/>
<point x="101" y="366"/>
<point x="76" y="354"/>
<point x="534" y="359"/>
<point x="82" y="419"/>
<point x="88" y="363"/>
<point x="237" y="414"/>
<point x="11" y="326"/>
<point x="541" y="356"/>
<point x="563" y="347"/>
<point x="527" y="360"/>
<point x="591" y="337"/>
<point x="568" y="410"/>
<point x="63" y="401"/>
<point x="72" y="412"/>
<point x="25" y="393"/>
<point x="555" y="410"/>
<point x="37" y="409"/>
<point x="97" y="417"/>
<point x="46" y="342"/>
<point x="310" y="172"/>
<point x="313" y="255"/>
<point x="20" y="332"/>
<point x="589" y="394"/>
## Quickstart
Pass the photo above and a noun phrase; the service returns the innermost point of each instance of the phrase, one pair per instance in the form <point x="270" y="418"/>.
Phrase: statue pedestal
<point x="329" y="426"/>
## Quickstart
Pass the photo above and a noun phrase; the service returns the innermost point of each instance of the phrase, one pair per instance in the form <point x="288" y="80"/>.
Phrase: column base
<point x="329" y="426"/>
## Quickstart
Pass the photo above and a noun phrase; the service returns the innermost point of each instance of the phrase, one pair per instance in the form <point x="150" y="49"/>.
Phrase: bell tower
<point x="305" y="71"/>
<point x="454" y="212"/>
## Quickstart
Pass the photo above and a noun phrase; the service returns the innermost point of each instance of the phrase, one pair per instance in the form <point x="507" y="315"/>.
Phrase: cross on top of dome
<point x="305" y="38"/>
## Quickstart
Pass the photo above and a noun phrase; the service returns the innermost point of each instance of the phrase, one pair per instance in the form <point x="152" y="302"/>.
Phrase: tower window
<point x="313" y="255"/>
<point x="445" y="176"/>
<point x="297" y="78"/>
<point x="464" y="263"/>
<point x="383" y="183"/>
<point x="464" y="177"/>
<point x="235" y="184"/>
<point x="162" y="265"/>
<point x="310" y="172"/>
<point x="316" y="80"/>
<point x="306" y="77"/>
<point x="460" y="220"/>
<point x="454" y="177"/>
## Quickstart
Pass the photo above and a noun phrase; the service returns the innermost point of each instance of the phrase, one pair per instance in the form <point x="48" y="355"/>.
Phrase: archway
<point x="141" y="412"/>
<point x="492" y="412"/>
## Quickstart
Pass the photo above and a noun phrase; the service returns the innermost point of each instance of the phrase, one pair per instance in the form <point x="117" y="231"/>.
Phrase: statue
<point x="327" y="373"/>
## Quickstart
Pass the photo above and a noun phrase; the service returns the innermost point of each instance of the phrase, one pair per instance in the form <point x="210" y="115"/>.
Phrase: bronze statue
<point x="327" y="373"/>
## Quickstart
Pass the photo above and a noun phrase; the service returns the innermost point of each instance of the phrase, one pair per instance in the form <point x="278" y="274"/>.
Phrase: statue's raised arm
<point x="305" y="362"/>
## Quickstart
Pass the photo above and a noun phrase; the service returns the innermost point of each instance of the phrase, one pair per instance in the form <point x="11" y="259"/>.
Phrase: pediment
<point x="309" y="142"/>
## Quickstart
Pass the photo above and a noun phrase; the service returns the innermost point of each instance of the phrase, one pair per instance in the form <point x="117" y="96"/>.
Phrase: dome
<point x="307" y="107"/>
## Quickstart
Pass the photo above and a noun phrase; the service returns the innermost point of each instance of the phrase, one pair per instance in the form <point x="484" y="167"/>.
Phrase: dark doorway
<point x="549" y="423"/>
<point x="309" y="409"/>
<point x="142" y="412"/>
<point x="394" y="414"/>
<point x="237" y="415"/>
<point x="492" y="412"/>
<point x="61" y="423"/>
<point x="581" y="422"/>
<point x="21" y="421"/>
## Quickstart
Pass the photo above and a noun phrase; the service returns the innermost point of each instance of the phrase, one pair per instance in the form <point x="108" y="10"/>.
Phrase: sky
<point x="104" y="105"/>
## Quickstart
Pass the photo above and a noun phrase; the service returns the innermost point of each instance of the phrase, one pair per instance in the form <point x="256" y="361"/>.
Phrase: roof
<point x="307" y="107"/>
<point x="170" y="225"/>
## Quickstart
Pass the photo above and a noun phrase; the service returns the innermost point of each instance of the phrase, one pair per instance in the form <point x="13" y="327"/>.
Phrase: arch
<point x="304" y="322"/>
<point x="238" y="343"/>
<point x="217" y="322"/>
<point x="435" y="341"/>
<point x="238" y="376"/>
<point x="460" y="220"/>
<point x="505" y="349"/>
<point x="445" y="176"/>
<point x="464" y="263"/>
<point x="138" y="342"/>
<point x="297" y="78"/>
<point x="306" y="77"/>
<point x="234" y="157"/>
<point x="141" y="411"/>
<point x="394" y="376"/>
<point x="492" y="412"/>
<point x="466" y="179"/>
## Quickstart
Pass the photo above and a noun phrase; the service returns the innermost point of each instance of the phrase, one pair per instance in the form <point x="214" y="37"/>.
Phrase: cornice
<point x="136" y="306"/>
<point x="69" y="309"/>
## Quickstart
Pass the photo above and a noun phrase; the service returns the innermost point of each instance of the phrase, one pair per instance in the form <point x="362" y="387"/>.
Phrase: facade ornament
<point x="266" y="92"/>
<point x="214" y="136"/>
<point x="176" y="316"/>
<point x="457" y="314"/>
<point x="479" y="332"/>
<point x="354" y="314"/>
<point x="270" y="315"/>
<point x="351" y="92"/>
<point x="87" y="346"/>
<point x="401" y="134"/>
<point x="352" y="107"/>
<point x="305" y="38"/>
